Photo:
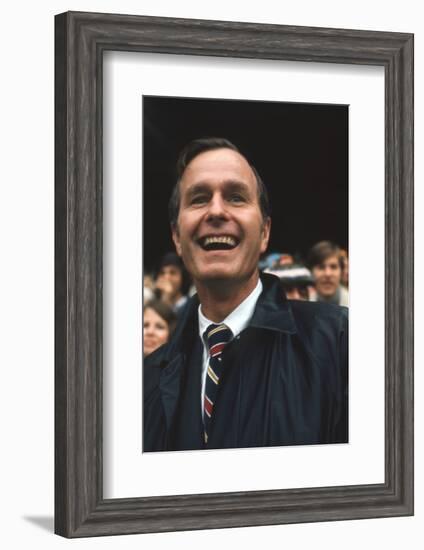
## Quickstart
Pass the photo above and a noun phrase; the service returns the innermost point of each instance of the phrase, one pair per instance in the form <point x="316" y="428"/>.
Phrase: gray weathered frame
<point x="80" y="40"/>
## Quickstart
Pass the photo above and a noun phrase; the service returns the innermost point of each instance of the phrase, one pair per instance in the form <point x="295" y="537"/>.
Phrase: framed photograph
<point x="300" y="154"/>
<point x="323" y="119"/>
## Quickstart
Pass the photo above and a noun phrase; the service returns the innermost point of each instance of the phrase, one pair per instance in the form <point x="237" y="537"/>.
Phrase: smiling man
<point x="245" y="367"/>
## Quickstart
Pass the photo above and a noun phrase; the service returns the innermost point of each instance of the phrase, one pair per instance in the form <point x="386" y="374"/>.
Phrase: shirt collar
<point x="239" y="318"/>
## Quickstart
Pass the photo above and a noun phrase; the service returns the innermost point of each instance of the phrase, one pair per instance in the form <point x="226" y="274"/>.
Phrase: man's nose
<point x="217" y="207"/>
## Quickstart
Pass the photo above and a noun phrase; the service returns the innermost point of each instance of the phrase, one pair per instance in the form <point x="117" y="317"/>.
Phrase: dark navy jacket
<point x="284" y="380"/>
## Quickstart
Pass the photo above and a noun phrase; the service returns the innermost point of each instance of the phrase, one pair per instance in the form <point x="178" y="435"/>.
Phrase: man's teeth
<point x="225" y="240"/>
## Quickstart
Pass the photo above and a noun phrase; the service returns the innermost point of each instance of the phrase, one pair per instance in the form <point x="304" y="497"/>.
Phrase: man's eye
<point x="199" y="199"/>
<point x="236" y="198"/>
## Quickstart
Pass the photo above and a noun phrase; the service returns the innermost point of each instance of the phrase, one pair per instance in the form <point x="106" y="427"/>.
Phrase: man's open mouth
<point x="219" y="242"/>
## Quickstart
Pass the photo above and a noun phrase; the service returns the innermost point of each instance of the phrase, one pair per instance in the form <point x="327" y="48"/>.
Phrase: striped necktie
<point x="218" y="337"/>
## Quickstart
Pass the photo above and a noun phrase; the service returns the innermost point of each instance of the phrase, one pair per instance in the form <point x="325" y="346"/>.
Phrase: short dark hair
<point x="171" y="258"/>
<point x="164" y="311"/>
<point x="323" y="250"/>
<point x="195" y="148"/>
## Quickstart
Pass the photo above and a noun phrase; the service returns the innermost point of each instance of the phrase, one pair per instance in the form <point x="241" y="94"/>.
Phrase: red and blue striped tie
<point x="218" y="337"/>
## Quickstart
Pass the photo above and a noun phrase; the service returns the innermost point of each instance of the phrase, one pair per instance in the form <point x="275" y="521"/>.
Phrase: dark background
<point x="300" y="150"/>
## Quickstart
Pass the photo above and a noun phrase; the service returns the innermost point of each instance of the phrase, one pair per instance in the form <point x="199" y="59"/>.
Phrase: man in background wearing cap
<point x="244" y="367"/>
<point x="295" y="279"/>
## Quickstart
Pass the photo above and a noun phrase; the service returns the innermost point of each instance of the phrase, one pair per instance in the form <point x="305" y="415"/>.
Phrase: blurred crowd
<point x="323" y="275"/>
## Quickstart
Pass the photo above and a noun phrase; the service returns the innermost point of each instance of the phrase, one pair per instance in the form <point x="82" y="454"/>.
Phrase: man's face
<point x="220" y="232"/>
<point x="327" y="276"/>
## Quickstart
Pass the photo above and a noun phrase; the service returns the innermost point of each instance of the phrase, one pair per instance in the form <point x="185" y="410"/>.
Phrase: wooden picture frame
<point x="81" y="39"/>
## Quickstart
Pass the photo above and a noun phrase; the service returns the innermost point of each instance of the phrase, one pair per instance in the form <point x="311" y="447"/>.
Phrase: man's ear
<point x="266" y="232"/>
<point x="176" y="238"/>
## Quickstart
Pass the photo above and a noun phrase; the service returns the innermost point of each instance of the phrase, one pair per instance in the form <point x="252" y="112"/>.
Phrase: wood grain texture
<point x="81" y="39"/>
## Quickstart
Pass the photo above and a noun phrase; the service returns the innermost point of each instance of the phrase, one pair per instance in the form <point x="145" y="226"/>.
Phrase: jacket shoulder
<point x="157" y="357"/>
<point x="152" y="368"/>
<point x="309" y="314"/>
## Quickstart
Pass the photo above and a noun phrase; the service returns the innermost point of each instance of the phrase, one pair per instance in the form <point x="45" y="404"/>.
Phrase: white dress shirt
<point x="237" y="320"/>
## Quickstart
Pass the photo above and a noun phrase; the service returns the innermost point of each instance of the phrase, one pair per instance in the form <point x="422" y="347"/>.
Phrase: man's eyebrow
<point x="232" y="185"/>
<point x="197" y="188"/>
<point x="229" y="186"/>
<point x="235" y="185"/>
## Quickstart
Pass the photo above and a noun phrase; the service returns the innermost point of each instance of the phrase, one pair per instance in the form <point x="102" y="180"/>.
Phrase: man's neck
<point x="333" y="299"/>
<point x="218" y="300"/>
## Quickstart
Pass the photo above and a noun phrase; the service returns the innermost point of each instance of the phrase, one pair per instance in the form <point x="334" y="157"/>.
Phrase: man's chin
<point x="327" y="293"/>
<point x="227" y="277"/>
<point x="218" y="276"/>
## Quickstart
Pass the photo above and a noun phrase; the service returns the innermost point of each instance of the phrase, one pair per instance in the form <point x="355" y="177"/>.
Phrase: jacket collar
<point x="272" y="312"/>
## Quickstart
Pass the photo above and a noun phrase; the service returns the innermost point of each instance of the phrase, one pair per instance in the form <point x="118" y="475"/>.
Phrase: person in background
<point x="275" y="259"/>
<point x="326" y="263"/>
<point x="269" y="261"/>
<point x="158" y="324"/>
<point x="295" y="280"/>
<point x="286" y="259"/>
<point x="172" y="282"/>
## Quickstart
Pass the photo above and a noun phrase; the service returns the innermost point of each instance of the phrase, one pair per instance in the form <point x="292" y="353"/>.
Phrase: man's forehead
<point x="333" y="258"/>
<point x="218" y="164"/>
